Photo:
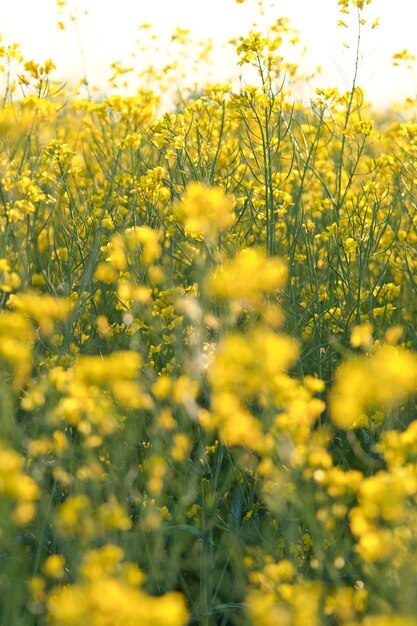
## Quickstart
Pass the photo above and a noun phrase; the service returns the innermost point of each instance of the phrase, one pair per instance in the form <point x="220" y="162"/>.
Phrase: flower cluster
<point x="208" y="366"/>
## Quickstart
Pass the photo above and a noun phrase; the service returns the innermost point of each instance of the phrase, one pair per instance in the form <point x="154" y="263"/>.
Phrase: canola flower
<point x="204" y="211"/>
<point x="208" y="366"/>
<point x="110" y="595"/>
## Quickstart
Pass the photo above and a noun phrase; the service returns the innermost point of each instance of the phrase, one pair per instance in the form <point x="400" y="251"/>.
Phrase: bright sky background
<point x="109" y="30"/>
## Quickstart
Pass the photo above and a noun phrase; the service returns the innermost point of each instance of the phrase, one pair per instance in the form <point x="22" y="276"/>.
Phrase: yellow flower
<point x="239" y="279"/>
<point x="54" y="566"/>
<point x="361" y="336"/>
<point x="381" y="380"/>
<point x="205" y="211"/>
<point x="181" y="446"/>
<point x="147" y="238"/>
<point x="108" y="595"/>
<point x="16" y="342"/>
<point x="46" y="310"/>
<point x="102" y="562"/>
<point x="107" y="370"/>
<point x="112" y="516"/>
<point x="350" y="245"/>
<point x="16" y="486"/>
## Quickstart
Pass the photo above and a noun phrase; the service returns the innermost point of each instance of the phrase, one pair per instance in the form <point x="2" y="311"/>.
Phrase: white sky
<point x="109" y="30"/>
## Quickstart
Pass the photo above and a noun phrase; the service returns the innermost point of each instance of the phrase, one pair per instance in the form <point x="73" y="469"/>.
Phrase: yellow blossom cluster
<point x="110" y="595"/>
<point x="205" y="212"/>
<point x="208" y="370"/>
<point x="16" y="486"/>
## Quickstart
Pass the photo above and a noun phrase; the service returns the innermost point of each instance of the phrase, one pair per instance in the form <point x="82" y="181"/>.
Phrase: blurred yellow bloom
<point x="147" y="238"/>
<point x="54" y="566"/>
<point x="109" y="595"/>
<point x="382" y="380"/>
<point x="361" y="336"/>
<point x="239" y="279"/>
<point x="46" y="310"/>
<point x="205" y="211"/>
<point x="16" y="486"/>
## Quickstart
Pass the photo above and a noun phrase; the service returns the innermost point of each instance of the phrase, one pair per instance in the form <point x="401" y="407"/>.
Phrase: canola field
<point x="208" y="353"/>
